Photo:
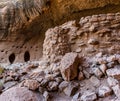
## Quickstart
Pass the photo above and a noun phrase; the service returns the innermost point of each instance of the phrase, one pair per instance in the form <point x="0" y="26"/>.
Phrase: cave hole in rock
<point x="26" y="56"/>
<point x="12" y="58"/>
<point x="2" y="50"/>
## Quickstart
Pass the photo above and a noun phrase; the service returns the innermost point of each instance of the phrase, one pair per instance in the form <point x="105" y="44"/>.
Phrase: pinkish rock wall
<point x="16" y="38"/>
<point x="24" y="22"/>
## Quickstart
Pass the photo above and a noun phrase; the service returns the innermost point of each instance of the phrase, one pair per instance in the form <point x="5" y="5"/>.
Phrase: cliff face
<point x="16" y="14"/>
<point x="24" y="22"/>
<point x="15" y="17"/>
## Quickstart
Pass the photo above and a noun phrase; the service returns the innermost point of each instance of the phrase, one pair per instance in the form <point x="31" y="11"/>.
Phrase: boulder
<point x="76" y="97"/>
<point x="63" y="85"/>
<point x="104" y="91"/>
<point x="97" y="72"/>
<point x="53" y="86"/>
<point x="10" y="84"/>
<point x="46" y="96"/>
<point x="44" y="82"/>
<point x="103" y="68"/>
<point x="58" y="80"/>
<point x="112" y="82"/>
<point x="95" y="81"/>
<point x="114" y="72"/>
<point x="71" y="89"/>
<point x="116" y="90"/>
<point x="69" y="66"/>
<point x="88" y="96"/>
<point x="86" y="74"/>
<point x="18" y="94"/>
<point x="41" y="90"/>
<point x="31" y="84"/>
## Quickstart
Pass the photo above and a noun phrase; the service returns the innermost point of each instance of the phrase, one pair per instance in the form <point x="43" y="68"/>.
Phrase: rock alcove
<point x="68" y="50"/>
<point x="24" y="29"/>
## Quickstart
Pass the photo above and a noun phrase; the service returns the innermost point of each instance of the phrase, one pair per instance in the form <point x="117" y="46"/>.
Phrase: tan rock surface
<point x="69" y="66"/>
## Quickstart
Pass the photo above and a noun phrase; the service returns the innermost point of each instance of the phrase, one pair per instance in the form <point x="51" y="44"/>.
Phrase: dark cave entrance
<point x="12" y="58"/>
<point x="26" y="56"/>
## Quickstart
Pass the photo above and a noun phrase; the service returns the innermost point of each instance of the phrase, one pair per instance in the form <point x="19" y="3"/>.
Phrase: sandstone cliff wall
<point x="24" y="22"/>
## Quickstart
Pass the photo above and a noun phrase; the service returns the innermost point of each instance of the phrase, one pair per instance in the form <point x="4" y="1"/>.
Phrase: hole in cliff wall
<point x="26" y="56"/>
<point x="12" y="58"/>
<point x="28" y="18"/>
<point x="2" y="50"/>
<point x="48" y="3"/>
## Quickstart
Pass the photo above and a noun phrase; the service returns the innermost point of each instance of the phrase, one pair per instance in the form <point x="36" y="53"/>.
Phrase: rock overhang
<point x="25" y="22"/>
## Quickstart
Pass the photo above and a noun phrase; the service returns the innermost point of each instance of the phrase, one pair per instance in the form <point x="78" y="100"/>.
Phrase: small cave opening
<point x="26" y="56"/>
<point x="12" y="58"/>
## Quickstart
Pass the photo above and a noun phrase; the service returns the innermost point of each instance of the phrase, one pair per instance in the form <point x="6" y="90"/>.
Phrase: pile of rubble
<point x="80" y="60"/>
<point x="77" y="79"/>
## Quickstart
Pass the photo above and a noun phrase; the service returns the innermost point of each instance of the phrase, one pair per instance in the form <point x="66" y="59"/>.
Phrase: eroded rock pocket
<point x="12" y="58"/>
<point x="26" y="56"/>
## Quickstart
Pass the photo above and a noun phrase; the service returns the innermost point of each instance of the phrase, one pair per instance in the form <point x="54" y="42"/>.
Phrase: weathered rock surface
<point x="24" y="22"/>
<point x="76" y="97"/>
<point x="103" y="68"/>
<point x="16" y="18"/>
<point x="63" y="85"/>
<point x="80" y="76"/>
<point x="71" y="89"/>
<point x="49" y="84"/>
<point x="104" y="91"/>
<point x="97" y="72"/>
<point x="69" y="66"/>
<point x="95" y="81"/>
<point x="18" y="94"/>
<point x="89" y="96"/>
<point x="114" y="84"/>
<point x="31" y="84"/>
<point x="27" y="11"/>
<point x="18" y="13"/>
<point x="114" y="72"/>
<point x="53" y="86"/>
<point x="46" y="96"/>
<point x="116" y="90"/>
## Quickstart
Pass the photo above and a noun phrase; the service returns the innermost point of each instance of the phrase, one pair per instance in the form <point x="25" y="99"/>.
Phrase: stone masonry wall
<point x="89" y="36"/>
